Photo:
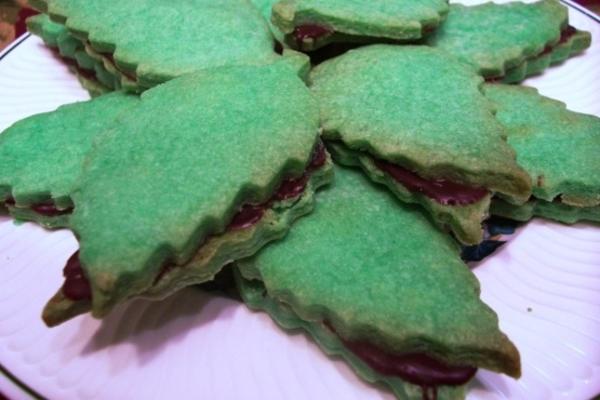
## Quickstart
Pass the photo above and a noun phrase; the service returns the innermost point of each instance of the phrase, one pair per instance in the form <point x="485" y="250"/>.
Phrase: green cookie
<point x="40" y="25"/>
<point x="91" y="74"/>
<point x="41" y="156"/>
<point x="209" y="168"/>
<point x="414" y="119"/>
<point x="310" y="24"/>
<point x="559" y="150"/>
<point x="186" y="36"/>
<point x="573" y="43"/>
<point x="264" y="7"/>
<point x="375" y="283"/>
<point x="496" y="39"/>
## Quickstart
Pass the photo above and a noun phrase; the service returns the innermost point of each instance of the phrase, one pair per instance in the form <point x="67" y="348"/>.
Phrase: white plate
<point x="544" y="285"/>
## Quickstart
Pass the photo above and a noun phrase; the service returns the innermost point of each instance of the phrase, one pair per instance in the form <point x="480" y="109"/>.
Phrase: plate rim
<point x="20" y="386"/>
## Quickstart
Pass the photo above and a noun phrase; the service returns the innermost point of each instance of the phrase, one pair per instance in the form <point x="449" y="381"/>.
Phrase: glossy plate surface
<point x="544" y="285"/>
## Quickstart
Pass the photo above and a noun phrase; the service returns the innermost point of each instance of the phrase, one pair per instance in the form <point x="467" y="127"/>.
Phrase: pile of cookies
<point x="395" y="127"/>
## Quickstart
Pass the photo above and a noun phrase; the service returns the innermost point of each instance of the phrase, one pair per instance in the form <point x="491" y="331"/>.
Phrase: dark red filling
<point x="565" y="35"/>
<point x="310" y="31"/>
<point x="288" y="189"/>
<point x="417" y="368"/>
<point x="76" y="286"/>
<point x="47" y="209"/>
<point x="319" y="157"/>
<point x="441" y="190"/>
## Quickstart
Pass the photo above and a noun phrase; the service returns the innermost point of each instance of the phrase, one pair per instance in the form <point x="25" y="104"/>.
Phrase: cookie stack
<point x="221" y="127"/>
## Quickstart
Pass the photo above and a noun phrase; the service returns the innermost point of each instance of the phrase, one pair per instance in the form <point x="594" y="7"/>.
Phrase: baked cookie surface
<point x="310" y="24"/>
<point x="416" y="108"/>
<point x="191" y="35"/>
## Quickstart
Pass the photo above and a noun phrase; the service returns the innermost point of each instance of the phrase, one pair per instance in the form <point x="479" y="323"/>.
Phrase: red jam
<point x="76" y="286"/>
<point x="46" y="209"/>
<point x="417" y="368"/>
<point x="288" y="189"/>
<point x="319" y="157"/>
<point x="441" y="190"/>
<point x="309" y="32"/>
<point x="50" y="210"/>
<point x="567" y="33"/>
<point x="246" y="217"/>
<point x="291" y="188"/>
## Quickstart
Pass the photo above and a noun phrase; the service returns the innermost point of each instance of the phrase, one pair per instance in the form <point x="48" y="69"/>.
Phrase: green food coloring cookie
<point x="310" y="24"/>
<point x="375" y="283"/>
<point x="186" y="36"/>
<point x="414" y="119"/>
<point x="500" y="39"/>
<point x="41" y="156"/>
<point x="209" y="168"/>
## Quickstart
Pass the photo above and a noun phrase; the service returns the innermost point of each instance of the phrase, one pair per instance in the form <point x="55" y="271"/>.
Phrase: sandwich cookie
<point x="559" y="150"/>
<point x="508" y="42"/>
<point x="310" y="24"/>
<point x="191" y="35"/>
<point x="209" y="168"/>
<point x="41" y="156"/>
<point x="372" y="281"/>
<point x="414" y="119"/>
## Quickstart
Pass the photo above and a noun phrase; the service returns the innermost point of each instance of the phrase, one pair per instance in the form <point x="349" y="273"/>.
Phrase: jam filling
<point x="50" y="210"/>
<point x="46" y="209"/>
<point x="246" y="217"/>
<point x="76" y="286"/>
<point x="442" y="191"/>
<point x="249" y="214"/>
<point x="565" y="35"/>
<point x="306" y="32"/>
<point x="416" y="368"/>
